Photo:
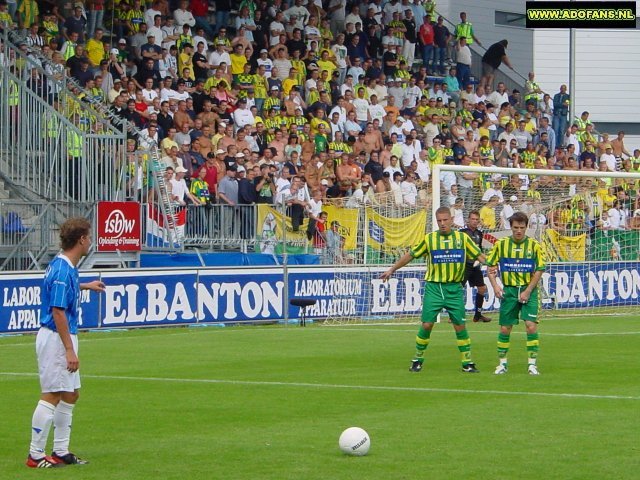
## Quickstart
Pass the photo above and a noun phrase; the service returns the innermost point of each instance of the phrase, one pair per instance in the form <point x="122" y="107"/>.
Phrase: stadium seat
<point x="302" y="303"/>
<point x="13" y="223"/>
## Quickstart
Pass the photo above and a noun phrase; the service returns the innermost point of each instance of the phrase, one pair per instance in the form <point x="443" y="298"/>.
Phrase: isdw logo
<point x="117" y="224"/>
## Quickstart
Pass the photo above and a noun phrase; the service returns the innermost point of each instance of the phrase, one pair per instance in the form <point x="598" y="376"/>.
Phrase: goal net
<point x="587" y="222"/>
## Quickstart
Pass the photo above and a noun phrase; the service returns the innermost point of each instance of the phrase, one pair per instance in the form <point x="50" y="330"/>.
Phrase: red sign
<point x="118" y="226"/>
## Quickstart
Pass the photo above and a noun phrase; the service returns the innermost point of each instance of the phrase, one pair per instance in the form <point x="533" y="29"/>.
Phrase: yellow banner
<point x="393" y="234"/>
<point x="348" y="219"/>
<point x="560" y="248"/>
<point x="272" y="229"/>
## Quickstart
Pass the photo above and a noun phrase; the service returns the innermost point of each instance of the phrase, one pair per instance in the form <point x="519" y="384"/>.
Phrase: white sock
<point x="532" y="361"/>
<point x="503" y="361"/>
<point x="40" y="426"/>
<point x="62" y="420"/>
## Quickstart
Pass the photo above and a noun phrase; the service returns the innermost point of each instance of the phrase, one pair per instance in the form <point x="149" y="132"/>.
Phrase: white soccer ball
<point x="354" y="441"/>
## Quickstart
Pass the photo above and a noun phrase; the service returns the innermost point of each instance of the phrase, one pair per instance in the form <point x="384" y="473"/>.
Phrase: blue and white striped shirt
<point x="61" y="289"/>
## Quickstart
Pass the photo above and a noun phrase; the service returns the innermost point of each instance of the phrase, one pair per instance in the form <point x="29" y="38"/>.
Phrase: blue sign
<point x="214" y="295"/>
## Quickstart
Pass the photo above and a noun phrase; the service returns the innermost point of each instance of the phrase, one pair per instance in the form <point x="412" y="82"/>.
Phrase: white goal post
<point x="593" y="258"/>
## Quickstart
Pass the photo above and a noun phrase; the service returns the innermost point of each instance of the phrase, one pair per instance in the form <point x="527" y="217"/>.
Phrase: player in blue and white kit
<point x="57" y="348"/>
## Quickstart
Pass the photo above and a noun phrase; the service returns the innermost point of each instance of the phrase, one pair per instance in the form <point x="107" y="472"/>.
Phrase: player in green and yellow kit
<point x="521" y="263"/>
<point x="447" y="252"/>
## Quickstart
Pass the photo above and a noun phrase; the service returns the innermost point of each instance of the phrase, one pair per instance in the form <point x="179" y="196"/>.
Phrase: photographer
<point x="265" y="185"/>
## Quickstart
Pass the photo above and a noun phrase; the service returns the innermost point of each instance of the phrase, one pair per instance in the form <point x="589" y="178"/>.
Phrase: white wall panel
<point x="481" y="13"/>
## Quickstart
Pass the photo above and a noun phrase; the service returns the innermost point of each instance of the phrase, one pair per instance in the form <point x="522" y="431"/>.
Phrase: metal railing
<point x="54" y="143"/>
<point x="29" y="232"/>
<point x="58" y="143"/>
<point x="511" y="78"/>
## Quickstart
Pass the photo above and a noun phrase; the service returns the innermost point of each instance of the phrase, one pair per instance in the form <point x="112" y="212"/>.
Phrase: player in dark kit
<point x="473" y="273"/>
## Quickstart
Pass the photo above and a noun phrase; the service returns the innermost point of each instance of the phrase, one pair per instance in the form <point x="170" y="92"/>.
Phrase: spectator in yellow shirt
<point x="325" y="63"/>
<point x="185" y="60"/>
<point x="238" y="60"/>
<point x="95" y="48"/>
<point x="488" y="213"/>
<point x="291" y="81"/>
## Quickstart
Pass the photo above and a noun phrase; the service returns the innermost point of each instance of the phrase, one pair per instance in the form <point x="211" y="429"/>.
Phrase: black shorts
<point x="474" y="276"/>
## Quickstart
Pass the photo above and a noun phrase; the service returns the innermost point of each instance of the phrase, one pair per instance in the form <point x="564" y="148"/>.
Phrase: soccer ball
<point x="354" y="441"/>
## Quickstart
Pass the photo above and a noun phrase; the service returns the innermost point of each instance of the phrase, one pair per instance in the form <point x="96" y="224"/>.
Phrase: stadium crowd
<point x="300" y="102"/>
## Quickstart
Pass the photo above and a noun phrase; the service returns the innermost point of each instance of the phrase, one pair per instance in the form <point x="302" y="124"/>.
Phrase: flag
<point x="158" y="233"/>
<point x="393" y="234"/>
<point x="270" y="223"/>
<point x="561" y="248"/>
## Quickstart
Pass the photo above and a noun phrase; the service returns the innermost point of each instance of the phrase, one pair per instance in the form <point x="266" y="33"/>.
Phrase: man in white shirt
<point x="359" y="197"/>
<point x="340" y="52"/>
<point x="507" y="211"/>
<point x="265" y="61"/>
<point x="410" y="151"/>
<point x="609" y="158"/>
<point x="283" y="185"/>
<point x="156" y="30"/>
<point x="361" y="105"/>
<point x="617" y="216"/>
<point x="431" y="130"/>
<point x="409" y="190"/>
<point x="394" y="166"/>
<point x="183" y="16"/>
<point x="341" y="110"/>
<point x="348" y="85"/>
<point x="242" y="116"/>
<point x="375" y="109"/>
<point x="168" y="93"/>
<point x="336" y="11"/>
<point x="389" y="9"/>
<point x="398" y="129"/>
<point x="219" y="55"/>
<point x="170" y="33"/>
<point x="179" y="190"/>
<point x="354" y="15"/>
<point x="148" y="137"/>
<point x="356" y="70"/>
<point x="301" y="14"/>
<point x="151" y="12"/>
<point x="276" y="28"/>
<point x="499" y="96"/>
<point x="148" y="92"/>
<point x="494" y="190"/>
<point x="423" y="170"/>
<point x="412" y="93"/>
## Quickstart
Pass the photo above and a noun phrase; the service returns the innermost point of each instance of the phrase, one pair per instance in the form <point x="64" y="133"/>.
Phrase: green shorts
<point x="438" y="296"/>
<point x="511" y="310"/>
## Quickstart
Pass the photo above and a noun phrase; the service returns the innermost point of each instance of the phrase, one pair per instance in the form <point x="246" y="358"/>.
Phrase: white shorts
<point x="52" y="363"/>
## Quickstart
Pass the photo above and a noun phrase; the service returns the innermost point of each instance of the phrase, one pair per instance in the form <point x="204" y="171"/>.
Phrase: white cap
<point x="513" y="198"/>
<point x="239" y="155"/>
<point x="400" y="118"/>
<point x="324" y="181"/>
<point x="115" y="51"/>
<point x="220" y="151"/>
<point x="240" y="168"/>
<point x="181" y="170"/>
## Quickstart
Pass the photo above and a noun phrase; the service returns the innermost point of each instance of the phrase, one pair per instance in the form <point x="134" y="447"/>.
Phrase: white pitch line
<point x="341" y="386"/>
<point x="543" y="333"/>
<point x="377" y="329"/>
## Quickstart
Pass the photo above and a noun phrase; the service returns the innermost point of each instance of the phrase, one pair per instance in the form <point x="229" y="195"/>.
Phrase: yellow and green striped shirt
<point x="528" y="158"/>
<point x="518" y="261"/>
<point x="446" y="255"/>
<point x="136" y="18"/>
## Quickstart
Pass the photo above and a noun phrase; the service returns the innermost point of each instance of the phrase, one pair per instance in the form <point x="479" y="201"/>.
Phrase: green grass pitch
<point x="261" y="403"/>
